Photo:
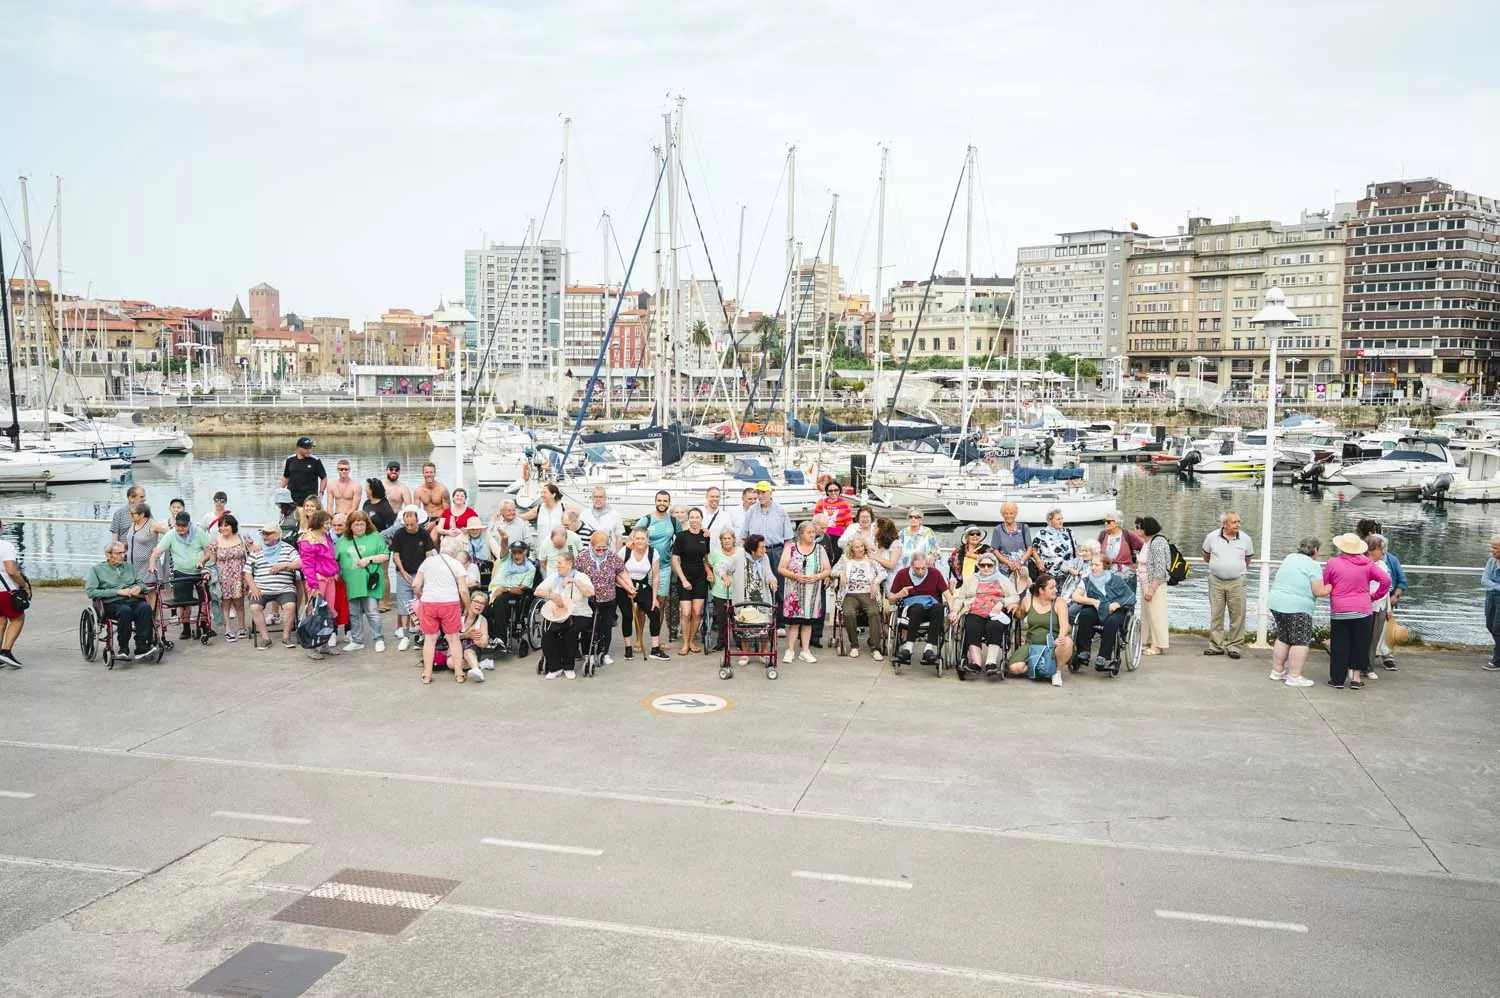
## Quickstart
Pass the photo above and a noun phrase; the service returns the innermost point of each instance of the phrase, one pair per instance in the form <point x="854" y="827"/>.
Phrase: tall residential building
<point x="587" y="309"/>
<point x="1071" y="296"/>
<point x="1190" y="297"/>
<point x="1422" y="288"/>
<point x="816" y="288"/>
<point x="265" y="306"/>
<point x="941" y="330"/>
<point x="702" y="301"/>
<point x="515" y="295"/>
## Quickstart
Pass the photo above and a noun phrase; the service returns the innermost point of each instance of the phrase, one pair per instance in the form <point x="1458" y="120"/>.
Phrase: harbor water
<point x="1441" y="607"/>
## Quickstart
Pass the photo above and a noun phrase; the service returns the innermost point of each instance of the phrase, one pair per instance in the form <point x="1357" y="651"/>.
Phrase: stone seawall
<point x="324" y="421"/>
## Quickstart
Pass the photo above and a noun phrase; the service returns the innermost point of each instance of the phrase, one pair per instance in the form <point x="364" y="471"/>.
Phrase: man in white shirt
<point x="601" y="516"/>
<point x="1228" y="552"/>
<point x="12" y="618"/>
<point x="716" y="518"/>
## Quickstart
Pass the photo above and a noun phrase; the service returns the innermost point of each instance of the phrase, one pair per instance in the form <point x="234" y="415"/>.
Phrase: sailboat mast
<point x="674" y="333"/>
<point x="609" y="405"/>
<point x="1020" y="312"/>
<point x="826" y="350"/>
<point x="57" y="309"/>
<point x="788" y="366"/>
<point x="562" y="300"/>
<point x="10" y="353"/>
<point x="658" y="341"/>
<point x="878" y="298"/>
<point x="963" y="398"/>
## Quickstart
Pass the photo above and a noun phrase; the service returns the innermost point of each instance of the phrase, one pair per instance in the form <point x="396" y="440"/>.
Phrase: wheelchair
<point x="1128" y="647"/>
<point x="959" y="655"/>
<point x="188" y="594"/>
<point x="96" y="634"/>
<point x="938" y="656"/>
<point x="524" y="628"/>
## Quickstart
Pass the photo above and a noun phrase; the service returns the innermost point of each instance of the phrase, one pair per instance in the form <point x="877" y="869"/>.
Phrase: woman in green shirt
<point x="718" y="590"/>
<point x="362" y="556"/>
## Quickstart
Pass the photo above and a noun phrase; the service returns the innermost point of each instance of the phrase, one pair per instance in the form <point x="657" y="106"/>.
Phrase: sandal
<point x="1151" y="651"/>
<point x="697" y="650"/>
<point x="459" y="677"/>
<point x="426" y="680"/>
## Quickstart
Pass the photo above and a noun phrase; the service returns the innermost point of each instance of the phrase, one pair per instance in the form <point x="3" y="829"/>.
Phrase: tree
<point x="1063" y="364"/>
<point x="769" y="331"/>
<point x="701" y="336"/>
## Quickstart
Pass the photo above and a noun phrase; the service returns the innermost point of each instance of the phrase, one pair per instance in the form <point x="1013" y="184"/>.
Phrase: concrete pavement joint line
<point x="16" y="795"/>
<point x="65" y="864"/>
<point x="1248" y="923"/>
<point x="279" y="819"/>
<point x="1376" y="784"/>
<point x="228" y="707"/>
<point x="844" y="878"/>
<point x="874" y="681"/>
<point x="542" y="847"/>
<point x="1009" y="833"/>
<point x="845" y="957"/>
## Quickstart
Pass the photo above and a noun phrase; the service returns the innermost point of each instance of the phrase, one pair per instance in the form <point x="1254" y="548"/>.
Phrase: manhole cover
<point x="267" y="970"/>
<point x="368" y="901"/>
<point x="686" y="703"/>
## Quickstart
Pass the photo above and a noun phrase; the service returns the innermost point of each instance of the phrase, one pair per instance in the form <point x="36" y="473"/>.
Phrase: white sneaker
<point x="1298" y="681"/>
<point x="552" y="675"/>
<point x="609" y="660"/>
<point x="787" y="658"/>
<point x="380" y="645"/>
<point x="404" y="643"/>
<point x="1372" y="675"/>
<point x="1057" y="679"/>
<point x="476" y="674"/>
<point x="400" y="632"/>
<point x="854" y="653"/>
<point x="807" y="656"/>
<point x="354" y="646"/>
<point x="781" y="632"/>
<point x="570" y="674"/>
<point x="1277" y="675"/>
<point x="877" y="656"/>
<point x="487" y="664"/>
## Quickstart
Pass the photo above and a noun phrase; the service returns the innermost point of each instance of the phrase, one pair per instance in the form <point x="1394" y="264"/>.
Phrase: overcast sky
<point x="348" y="151"/>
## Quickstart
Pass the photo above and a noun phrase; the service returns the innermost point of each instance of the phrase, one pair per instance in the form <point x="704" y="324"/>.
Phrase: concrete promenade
<point x="1189" y="829"/>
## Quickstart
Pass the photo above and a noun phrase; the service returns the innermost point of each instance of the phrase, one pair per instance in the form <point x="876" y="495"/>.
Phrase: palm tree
<point x="769" y="331"/>
<point x="701" y="336"/>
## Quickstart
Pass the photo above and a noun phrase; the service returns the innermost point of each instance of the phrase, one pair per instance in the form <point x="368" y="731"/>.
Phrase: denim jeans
<point x="361" y="607"/>
<point x="1492" y="622"/>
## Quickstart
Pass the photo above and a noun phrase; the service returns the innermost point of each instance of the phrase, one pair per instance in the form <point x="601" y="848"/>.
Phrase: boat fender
<point x="525" y="472"/>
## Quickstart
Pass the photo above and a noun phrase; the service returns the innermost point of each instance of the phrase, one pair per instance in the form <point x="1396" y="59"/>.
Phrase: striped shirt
<point x="259" y="567"/>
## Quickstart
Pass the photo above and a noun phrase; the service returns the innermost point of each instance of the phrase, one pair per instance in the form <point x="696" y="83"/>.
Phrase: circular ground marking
<point x="686" y="704"/>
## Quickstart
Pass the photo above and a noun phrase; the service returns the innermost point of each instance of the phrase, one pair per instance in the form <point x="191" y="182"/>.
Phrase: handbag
<point x="1041" y="661"/>
<point x="372" y="570"/>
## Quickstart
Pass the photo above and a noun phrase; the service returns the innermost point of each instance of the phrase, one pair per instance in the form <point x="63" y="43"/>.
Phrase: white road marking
<point x="277" y="819"/>
<point x="844" y="878"/>
<point x="542" y="847"/>
<point x="375" y="895"/>
<point x="16" y="795"/>
<point x="65" y="864"/>
<point x="1247" y="923"/>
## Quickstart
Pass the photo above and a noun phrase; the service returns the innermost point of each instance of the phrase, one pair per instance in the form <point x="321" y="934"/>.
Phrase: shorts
<point x="698" y="590"/>
<point x="8" y="609"/>
<point x="1293" y="629"/>
<point x="445" y="617"/>
<point x="285" y="599"/>
<point x="404" y="596"/>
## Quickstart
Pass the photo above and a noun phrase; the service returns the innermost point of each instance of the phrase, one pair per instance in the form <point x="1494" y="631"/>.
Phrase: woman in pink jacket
<point x="1352" y="604"/>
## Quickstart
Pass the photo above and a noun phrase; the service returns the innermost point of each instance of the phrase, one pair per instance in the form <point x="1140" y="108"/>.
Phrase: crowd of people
<point x="1015" y="602"/>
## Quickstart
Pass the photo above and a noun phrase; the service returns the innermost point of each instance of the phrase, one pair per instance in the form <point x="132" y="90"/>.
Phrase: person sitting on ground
<point x="475" y="637"/>
<point x="122" y="593"/>
<point x="1046" y="637"/>
<point x="986" y="604"/>
<point x="1103" y="598"/>
<point x="511" y="586"/>
<point x="271" y="578"/>
<point x="921" y="593"/>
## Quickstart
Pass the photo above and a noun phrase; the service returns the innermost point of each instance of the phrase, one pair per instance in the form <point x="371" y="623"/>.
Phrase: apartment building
<point x="1071" y="294"/>
<point x="992" y="319"/>
<point x="514" y="293"/>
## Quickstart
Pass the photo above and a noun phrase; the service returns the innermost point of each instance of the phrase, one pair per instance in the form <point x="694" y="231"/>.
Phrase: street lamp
<point x="456" y="318"/>
<point x="1075" y="358"/>
<point x="1273" y="318"/>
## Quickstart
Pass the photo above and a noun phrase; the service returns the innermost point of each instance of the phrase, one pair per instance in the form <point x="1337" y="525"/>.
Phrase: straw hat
<point x="1350" y="544"/>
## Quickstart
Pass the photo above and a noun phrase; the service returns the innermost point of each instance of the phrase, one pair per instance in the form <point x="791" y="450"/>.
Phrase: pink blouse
<point x="318" y="560"/>
<point x="1350" y="576"/>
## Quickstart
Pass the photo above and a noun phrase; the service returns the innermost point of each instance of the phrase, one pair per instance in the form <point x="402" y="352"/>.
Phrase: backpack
<point x="317" y="624"/>
<point x="1177" y="566"/>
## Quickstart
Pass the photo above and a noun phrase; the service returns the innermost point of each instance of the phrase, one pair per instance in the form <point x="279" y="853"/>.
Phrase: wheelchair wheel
<point x="88" y="635"/>
<point x="109" y="656"/>
<point x="1133" y="642"/>
<point x="726" y="673"/>
<point x="161" y="650"/>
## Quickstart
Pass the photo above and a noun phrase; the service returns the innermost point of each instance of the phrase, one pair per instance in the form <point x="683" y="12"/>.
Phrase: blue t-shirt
<point x="1291" y="589"/>
<point x="662" y="533"/>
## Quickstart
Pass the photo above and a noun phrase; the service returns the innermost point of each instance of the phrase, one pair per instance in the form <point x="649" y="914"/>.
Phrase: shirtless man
<point x="396" y="491"/>
<point x="431" y="495"/>
<point x="343" y="491"/>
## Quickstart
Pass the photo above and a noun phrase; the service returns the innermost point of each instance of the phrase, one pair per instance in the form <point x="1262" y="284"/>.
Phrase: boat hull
<point x="1032" y="507"/>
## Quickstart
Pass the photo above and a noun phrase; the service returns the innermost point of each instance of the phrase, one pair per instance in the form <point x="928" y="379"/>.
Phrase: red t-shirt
<point x="463" y="519"/>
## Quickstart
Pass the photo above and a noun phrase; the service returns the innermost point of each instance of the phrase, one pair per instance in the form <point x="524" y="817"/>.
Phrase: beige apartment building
<point x="941" y="331"/>
<point x="1190" y="298"/>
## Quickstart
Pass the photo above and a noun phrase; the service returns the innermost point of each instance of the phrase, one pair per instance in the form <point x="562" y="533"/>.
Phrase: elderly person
<point x="641" y="601"/>
<point x="506" y="528"/>
<point x="1355" y="584"/>
<point x="189" y="551"/>
<point x="1294" y="593"/>
<point x="767" y="518"/>
<point x="362" y="556"/>
<point x="140" y="537"/>
<point x="1367" y="528"/>
<point x="560" y="539"/>
<point x="271" y="577"/>
<point x="917" y="537"/>
<point x="859" y="578"/>
<point x="607" y="573"/>
<point x="119" y="521"/>
<point x="1376" y="552"/>
<point x="921" y="592"/>
<point x="1046" y="636"/>
<point x="1152" y="568"/>
<point x="230" y="553"/>
<point x="1228" y="552"/>
<point x="962" y="561"/>
<point x="862" y="526"/>
<point x="511" y="585"/>
<point x="409" y="547"/>
<point x="985" y="604"/>
<point x="1103" y="599"/>
<point x="122" y="592"/>
<point x="752" y="581"/>
<point x="442" y="590"/>
<point x="835" y="505"/>
<point x="804" y="566"/>
<point x="1053" y="547"/>
<point x="566" y="592"/>
<point x="1490" y="581"/>
<point x="602" y="516"/>
<point x="718" y="588"/>
<point x="1119" y="545"/>
<point x="1011" y="541"/>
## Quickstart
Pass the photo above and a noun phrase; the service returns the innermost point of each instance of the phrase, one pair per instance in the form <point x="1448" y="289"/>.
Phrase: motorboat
<point x="1224" y="452"/>
<point x="29" y="469"/>
<point x="1478" y="482"/>
<point x="1415" y="460"/>
<point x="1470" y="437"/>
<point x="1325" y="465"/>
<point x="1384" y="437"/>
<point x="79" y="432"/>
<point x="1293" y="428"/>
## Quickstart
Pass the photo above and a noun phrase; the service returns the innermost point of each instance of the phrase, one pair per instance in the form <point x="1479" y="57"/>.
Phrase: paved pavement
<point x="1190" y="829"/>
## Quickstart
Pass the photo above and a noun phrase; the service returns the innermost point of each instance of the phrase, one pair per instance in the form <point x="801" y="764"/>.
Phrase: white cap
<point x="411" y="508"/>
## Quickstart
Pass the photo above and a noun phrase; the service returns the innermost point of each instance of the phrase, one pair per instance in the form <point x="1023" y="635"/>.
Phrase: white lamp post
<point x="456" y="318"/>
<point x="1273" y="318"/>
<point x="1075" y="358"/>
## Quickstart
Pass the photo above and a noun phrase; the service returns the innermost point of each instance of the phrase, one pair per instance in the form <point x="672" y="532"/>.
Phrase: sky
<point x="349" y="151"/>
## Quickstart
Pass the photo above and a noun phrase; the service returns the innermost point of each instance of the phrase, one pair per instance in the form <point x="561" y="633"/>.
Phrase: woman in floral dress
<point x="230" y="552"/>
<point x="804" y="565"/>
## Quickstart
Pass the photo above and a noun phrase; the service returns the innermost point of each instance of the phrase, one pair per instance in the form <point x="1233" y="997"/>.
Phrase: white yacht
<point x="28" y="469"/>
<point x="1478" y="482"/>
<point x="1414" y="461"/>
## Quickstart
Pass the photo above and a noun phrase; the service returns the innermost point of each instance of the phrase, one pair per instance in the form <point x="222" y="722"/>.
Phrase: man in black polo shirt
<point x="303" y="474"/>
